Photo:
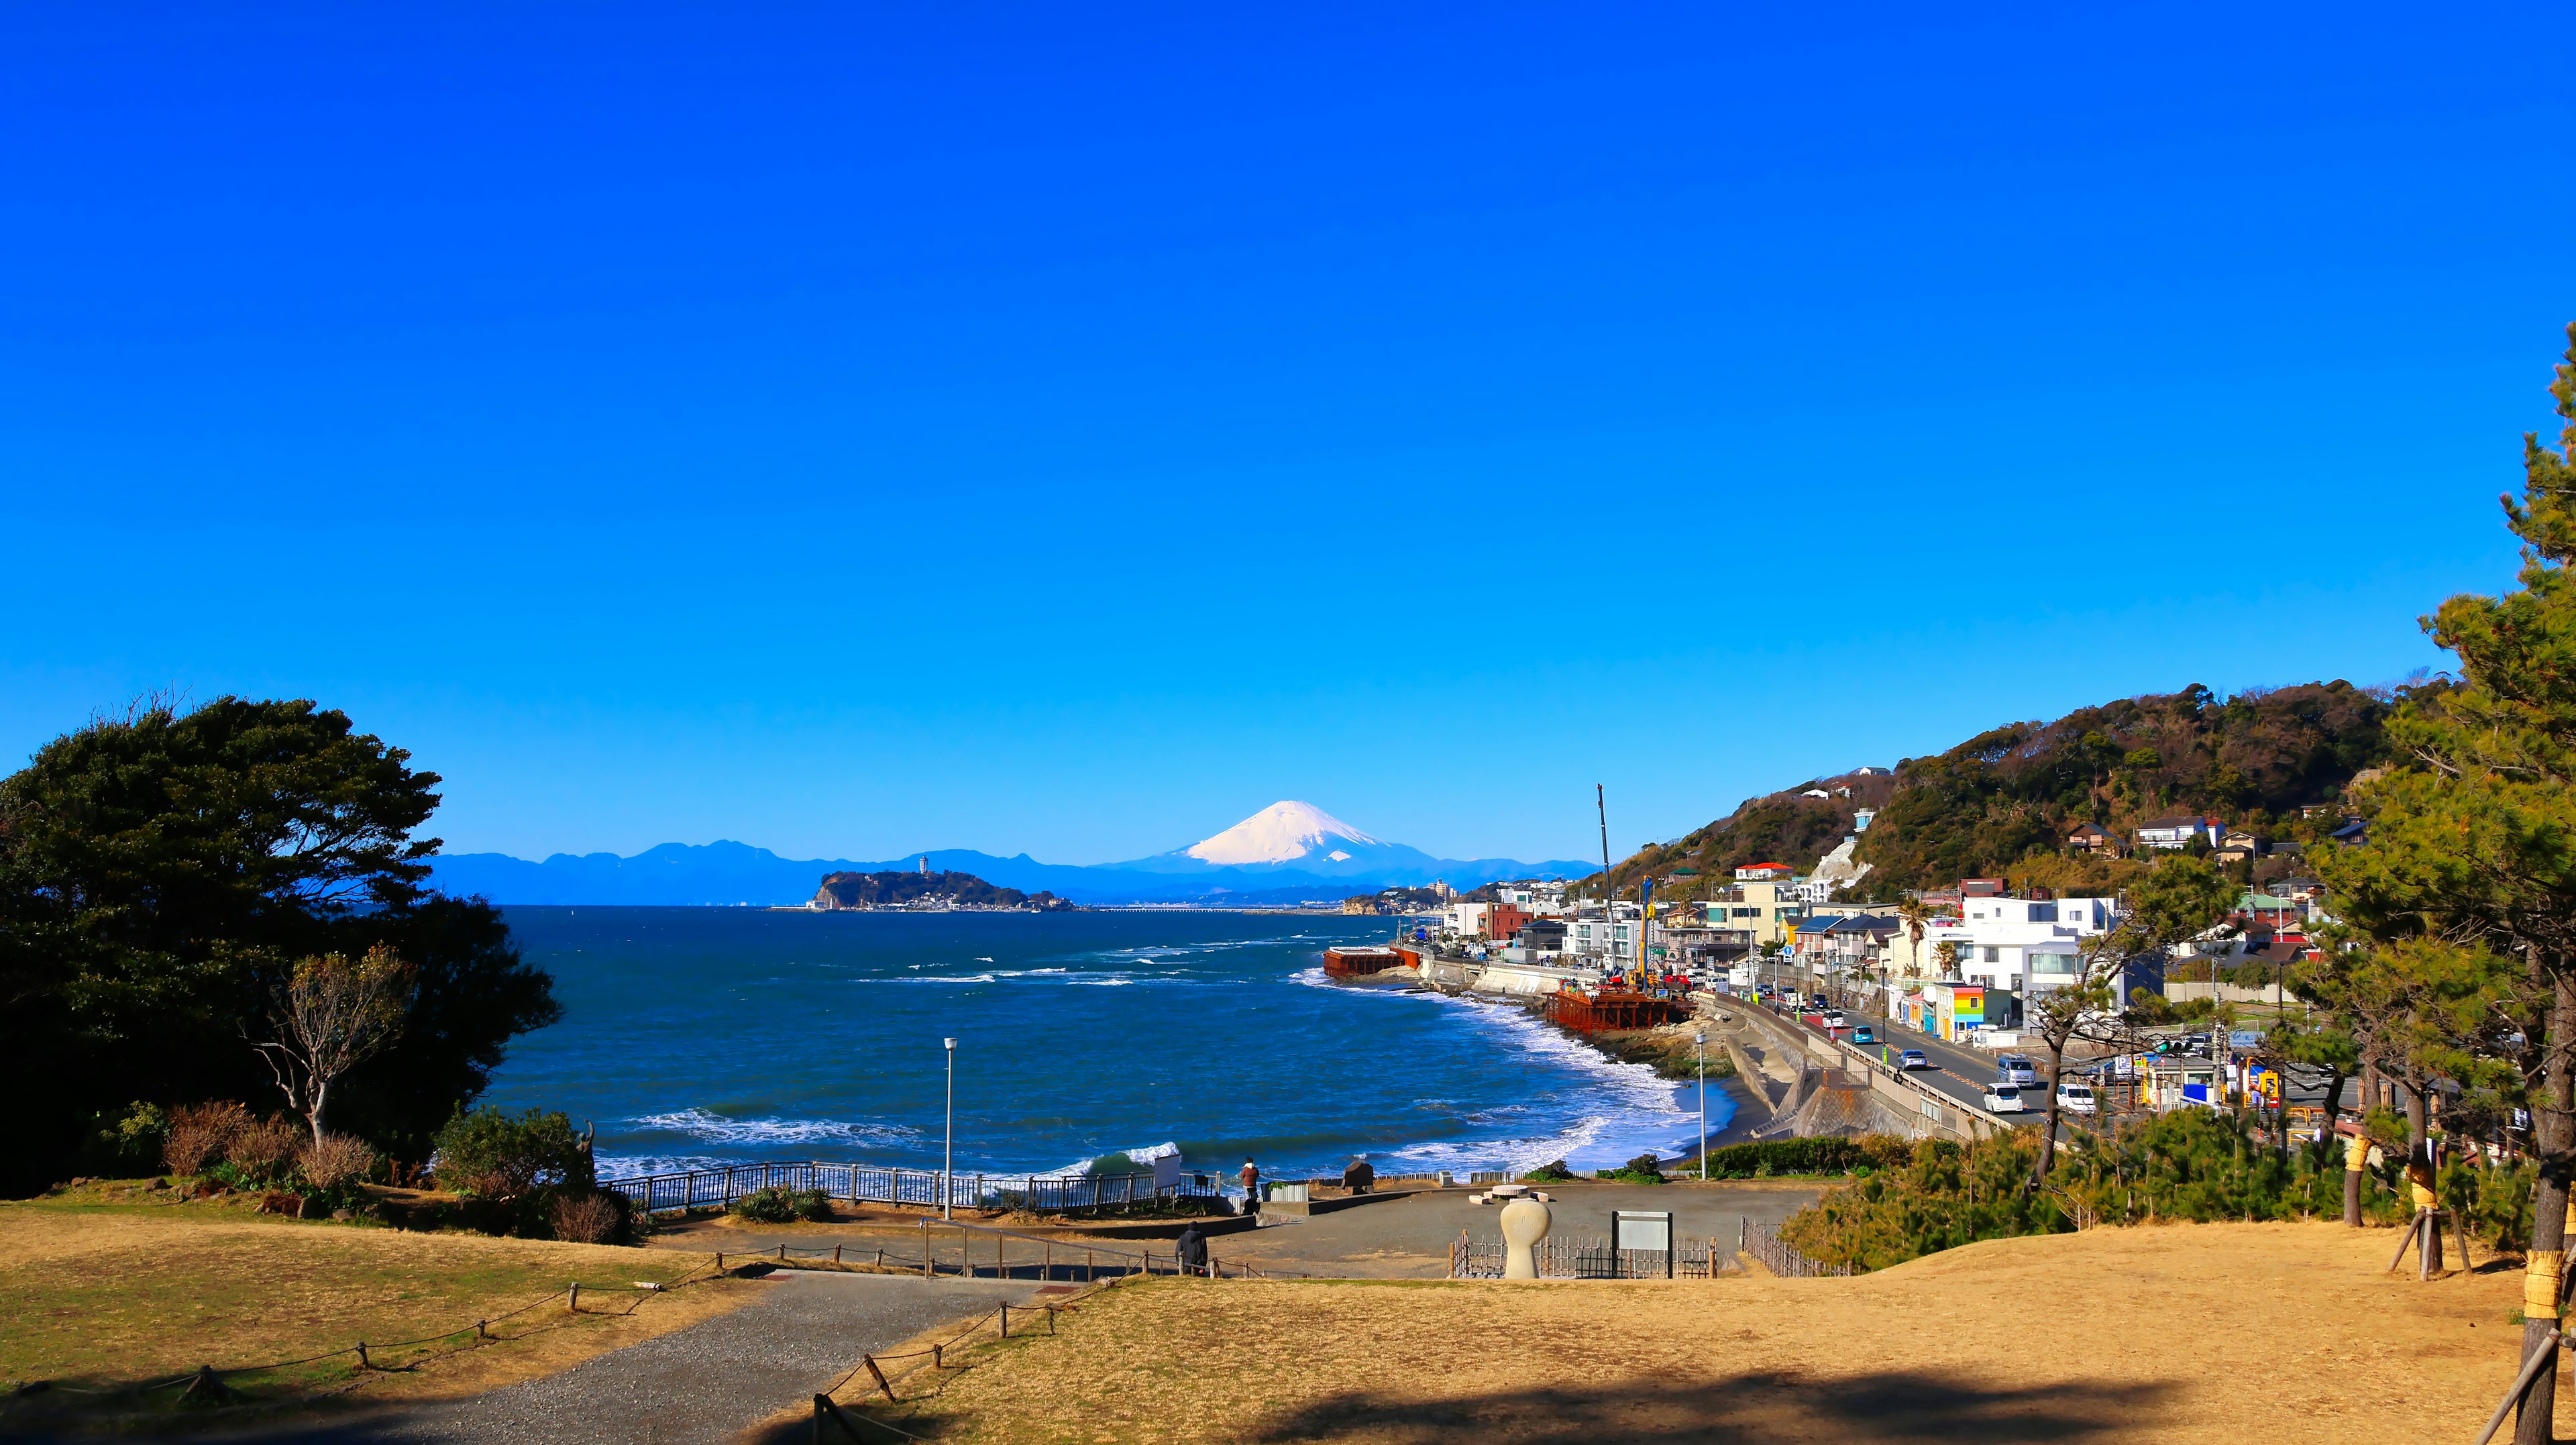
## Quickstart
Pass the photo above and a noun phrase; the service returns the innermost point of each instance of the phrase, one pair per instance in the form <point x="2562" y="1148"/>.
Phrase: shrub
<point x="598" y="1218"/>
<point x="1944" y="1195"/>
<point x="125" y="1142"/>
<point x="783" y="1206"/>
<point x="1823" y="1154"/>
<point x="1549" y="1173"/>
<point x="494" y="1155"/>
<point x="260" y="1148"/>
<point x="335" y="1160"/>
<point x="2196" y="1164"/>
<point x="199" y="1133"/>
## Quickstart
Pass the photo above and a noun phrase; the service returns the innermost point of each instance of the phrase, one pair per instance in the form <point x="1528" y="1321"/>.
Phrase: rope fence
<point x="209" y="1378"/>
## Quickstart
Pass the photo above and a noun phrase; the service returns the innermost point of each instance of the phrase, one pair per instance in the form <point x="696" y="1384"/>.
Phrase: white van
<point x="2014" y="1069"/>
<point x="2076" y="1099"/>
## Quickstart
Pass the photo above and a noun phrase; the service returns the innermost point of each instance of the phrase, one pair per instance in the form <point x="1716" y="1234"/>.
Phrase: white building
<point x="1467" y="920"/>
<point x="1539" y="900"/>
<point x="1612" y="940"/>
<point x="2018" y="945"/>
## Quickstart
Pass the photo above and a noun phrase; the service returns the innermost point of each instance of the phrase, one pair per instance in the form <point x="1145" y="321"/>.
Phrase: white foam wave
<point x="630" y="1166"/>
<point x="1627" y="1110"/>
<point x="1142" y="1154"/>
<point x="715" y="1128"/>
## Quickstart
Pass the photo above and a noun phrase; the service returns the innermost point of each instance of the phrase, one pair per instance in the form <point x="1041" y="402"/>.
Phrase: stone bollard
<point x="1525" y="1222"/>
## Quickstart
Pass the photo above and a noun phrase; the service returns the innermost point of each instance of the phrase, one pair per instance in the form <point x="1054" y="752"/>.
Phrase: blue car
<point x="1912" y="1059"/>
<point x="1864" y="1035"/>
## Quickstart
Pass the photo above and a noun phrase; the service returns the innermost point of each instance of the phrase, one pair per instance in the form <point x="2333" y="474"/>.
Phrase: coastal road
<point x="707" y="1383"/>
<point x="1960" y="1074"/>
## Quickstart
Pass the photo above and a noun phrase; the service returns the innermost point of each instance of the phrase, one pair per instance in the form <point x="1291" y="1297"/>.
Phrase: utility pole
<point x="948" y="1148"/>
<point x="1701" y="1038"/>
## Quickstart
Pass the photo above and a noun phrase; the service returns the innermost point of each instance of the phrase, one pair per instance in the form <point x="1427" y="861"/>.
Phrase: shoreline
<point x="1742" y="1120"/>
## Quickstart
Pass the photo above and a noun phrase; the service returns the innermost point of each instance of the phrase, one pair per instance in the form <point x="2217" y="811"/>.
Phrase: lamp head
<point x="951" y="1043"/>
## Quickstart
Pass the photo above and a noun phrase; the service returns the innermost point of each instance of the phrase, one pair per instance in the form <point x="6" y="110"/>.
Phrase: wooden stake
<point x="362" y="1356"/>
<point x="2408" y="1238"/>
<point x="573" y="1306"/>
<point x="880" y="1374"/>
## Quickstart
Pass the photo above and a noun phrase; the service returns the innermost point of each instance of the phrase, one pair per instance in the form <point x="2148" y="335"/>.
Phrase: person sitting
<point x="1359" y="1176"/>
<point x="1192" y="1249"/>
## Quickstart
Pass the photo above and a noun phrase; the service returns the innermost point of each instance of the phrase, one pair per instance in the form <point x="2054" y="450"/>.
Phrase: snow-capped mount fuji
<point x="1282" y="833"/>
<point x="1291" y="843"/>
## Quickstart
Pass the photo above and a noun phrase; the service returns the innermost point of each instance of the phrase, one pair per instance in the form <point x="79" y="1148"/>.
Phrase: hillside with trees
<point x="904" y="888"/>
<point x="2273" y="760"/>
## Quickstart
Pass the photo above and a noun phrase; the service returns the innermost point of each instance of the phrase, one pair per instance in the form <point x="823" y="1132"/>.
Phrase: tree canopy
<point x="162" y="873"/>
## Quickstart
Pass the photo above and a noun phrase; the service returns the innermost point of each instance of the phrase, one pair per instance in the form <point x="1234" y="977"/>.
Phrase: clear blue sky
<point x="1071" y="429"/>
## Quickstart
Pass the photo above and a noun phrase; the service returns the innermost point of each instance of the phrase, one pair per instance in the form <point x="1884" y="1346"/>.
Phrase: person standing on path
<point x="1251" y="1186"/>
<point x="1191" y="1249"/>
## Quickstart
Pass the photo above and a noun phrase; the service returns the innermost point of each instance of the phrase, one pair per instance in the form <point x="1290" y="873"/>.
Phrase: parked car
<point x="2014" y="1069"/>
<point x="2004" y="1099"/>
<point x="2076" y="1099"/>
<point x="1864" y="1035"/>
<point x="1913" y="1059"/>
<point x="1835" y="1018"/>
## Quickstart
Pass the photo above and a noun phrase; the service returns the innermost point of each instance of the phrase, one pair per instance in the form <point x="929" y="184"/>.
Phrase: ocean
<point x="697" y="1035"/>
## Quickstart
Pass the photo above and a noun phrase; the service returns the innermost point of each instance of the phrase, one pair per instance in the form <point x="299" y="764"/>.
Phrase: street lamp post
<point x="1701" y="1038"/>
<point x="948" y="1147"/>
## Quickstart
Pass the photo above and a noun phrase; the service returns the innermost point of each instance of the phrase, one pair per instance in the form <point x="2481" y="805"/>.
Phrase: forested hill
<point x="896" y="889"/>
<point x="1999" y="804"/>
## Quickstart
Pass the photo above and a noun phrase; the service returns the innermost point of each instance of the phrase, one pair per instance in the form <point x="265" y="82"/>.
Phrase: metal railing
<point x="1764" y="1243"/>
<point x="879" y="1184"/>
<point x="1561" y="1259"/>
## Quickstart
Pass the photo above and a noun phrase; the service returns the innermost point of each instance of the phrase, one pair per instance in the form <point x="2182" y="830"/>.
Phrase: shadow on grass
<point x="1886" y="1407"/>
<point x="1889" y="1406"/>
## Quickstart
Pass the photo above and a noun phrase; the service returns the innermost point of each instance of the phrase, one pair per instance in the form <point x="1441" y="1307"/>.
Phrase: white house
<point x="2177" y="832"/>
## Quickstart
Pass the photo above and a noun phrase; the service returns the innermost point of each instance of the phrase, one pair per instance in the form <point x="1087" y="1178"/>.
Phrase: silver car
<point x="2014" y="1069"/>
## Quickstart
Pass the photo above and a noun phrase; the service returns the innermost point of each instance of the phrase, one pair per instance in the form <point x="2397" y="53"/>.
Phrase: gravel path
<point x="706" y="1383"/>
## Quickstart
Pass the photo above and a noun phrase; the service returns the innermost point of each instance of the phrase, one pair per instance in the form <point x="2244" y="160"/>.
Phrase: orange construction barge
<point x="1360" y="962"/>
<point x="1593" y="1013"/>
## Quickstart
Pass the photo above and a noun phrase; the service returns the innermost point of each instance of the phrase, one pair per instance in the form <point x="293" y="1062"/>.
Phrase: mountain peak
<point x="1280" y="833"/>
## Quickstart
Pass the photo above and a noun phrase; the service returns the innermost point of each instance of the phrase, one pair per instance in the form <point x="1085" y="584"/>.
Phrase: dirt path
<point x="708" y="1383"/>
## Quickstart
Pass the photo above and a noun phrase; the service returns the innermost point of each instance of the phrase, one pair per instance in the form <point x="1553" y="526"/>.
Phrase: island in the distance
<point x="927" y="892"/>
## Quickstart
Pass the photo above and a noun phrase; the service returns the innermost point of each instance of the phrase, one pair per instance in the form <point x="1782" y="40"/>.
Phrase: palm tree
<point x="1916" y="918"/>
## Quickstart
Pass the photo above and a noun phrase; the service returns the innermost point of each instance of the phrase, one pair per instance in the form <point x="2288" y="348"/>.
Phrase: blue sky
<point x="856" y="431"/>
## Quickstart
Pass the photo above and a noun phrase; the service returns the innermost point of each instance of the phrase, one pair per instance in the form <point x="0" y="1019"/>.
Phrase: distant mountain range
<point x="1286" y="853"/>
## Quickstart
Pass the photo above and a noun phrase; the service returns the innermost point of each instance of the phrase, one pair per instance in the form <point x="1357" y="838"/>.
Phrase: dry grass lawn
<point x="2217" y="1333"/>
<point x="103" y="1297"/>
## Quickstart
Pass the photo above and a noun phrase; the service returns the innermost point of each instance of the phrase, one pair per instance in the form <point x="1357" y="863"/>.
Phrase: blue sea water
<point x="692" y="1035"/>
